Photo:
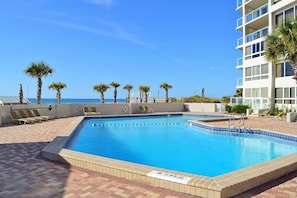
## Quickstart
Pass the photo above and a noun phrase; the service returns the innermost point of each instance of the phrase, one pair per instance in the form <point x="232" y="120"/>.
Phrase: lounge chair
<point x="92" y="112"/>
<point x="19" y="120"/>
<point x="265" y="113"/>
<point x="281" y="116"/>
<point x="24" y="116"/>
<point x="30" y="114"/>
<point x="86" y="110"/>
<point x="141" y="109"/>
<point x="147" y="109"/>
<point x="36" y="112"/>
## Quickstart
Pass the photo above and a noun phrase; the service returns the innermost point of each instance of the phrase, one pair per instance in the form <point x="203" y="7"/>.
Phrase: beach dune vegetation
<point x="199" y="99"/>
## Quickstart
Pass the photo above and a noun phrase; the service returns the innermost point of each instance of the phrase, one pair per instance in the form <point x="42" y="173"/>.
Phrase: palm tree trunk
<point x="146" y="97"/>
<point x="58" y="97"/>
<point x="128" y="100"/>
<point x="166" y="96"/>
<point x="102" y="98"/>
<point x="115" y="96"/>
<point x="39" y="90"/>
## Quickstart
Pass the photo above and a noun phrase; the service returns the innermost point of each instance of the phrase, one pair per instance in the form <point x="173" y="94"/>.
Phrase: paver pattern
<point x="24" y="173"/>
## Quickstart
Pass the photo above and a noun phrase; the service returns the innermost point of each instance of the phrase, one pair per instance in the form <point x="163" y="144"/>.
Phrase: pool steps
<point x="270" y="134"/>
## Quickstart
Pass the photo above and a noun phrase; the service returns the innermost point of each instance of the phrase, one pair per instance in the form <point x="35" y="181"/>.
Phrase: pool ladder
<point x="231" y="121"/>
<point x="240" y="123"/>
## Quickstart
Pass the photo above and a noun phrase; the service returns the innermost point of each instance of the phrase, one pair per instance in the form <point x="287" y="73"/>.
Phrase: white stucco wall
<point x="68" y="110"/>
<point x="205" y="107"/>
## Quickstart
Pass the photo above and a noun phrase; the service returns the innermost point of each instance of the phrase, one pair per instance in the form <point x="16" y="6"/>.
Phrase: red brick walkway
<point x="23" y="173"/>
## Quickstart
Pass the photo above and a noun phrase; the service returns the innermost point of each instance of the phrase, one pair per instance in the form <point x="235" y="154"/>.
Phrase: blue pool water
<point x="170" y="142"/>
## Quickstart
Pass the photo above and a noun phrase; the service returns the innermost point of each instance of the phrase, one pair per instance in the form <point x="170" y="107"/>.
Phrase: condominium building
<point x="264" y="84"/>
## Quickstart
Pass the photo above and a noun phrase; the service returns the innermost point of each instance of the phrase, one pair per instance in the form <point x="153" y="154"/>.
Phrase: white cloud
<point x="109" y="29"/>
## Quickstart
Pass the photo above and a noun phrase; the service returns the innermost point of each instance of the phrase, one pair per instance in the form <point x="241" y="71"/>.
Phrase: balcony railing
<point x="239" y="62"/>
<point x="255" y="35"/>
<point x="239" y="82"/>
<point x="256" y="13"/>
<point x="239" y="42"/>
<point x="239" y="22"/>
<point x="254" y="103"/>
<point x="239" y="3"/>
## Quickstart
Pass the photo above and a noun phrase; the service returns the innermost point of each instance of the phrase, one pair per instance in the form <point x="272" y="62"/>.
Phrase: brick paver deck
<point x="24" y="173"/>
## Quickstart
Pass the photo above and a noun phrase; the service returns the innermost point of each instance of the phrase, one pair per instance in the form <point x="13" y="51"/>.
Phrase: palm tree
<point x="101" y="88"/>
<point x="282" y="44"/>
<point x="166" y="86"/>
<point x="21" y="95"/>
<point x="58" y="86"/>
<point x="128" y="88"/>
<point x="39" y="70"/>
<point x="115" y="92"/>
<point x="238" y="93"/>
<point x="146" y="90"/>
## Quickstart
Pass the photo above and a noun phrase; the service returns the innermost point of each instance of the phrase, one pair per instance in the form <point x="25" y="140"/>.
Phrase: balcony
<point x="256" y="13"/>
<point x="255" y="35"/>
<point x="238" y="3"/>
<point x="239" y="63"/>
<point x="239" y="82"/>
<point x="239" y="23"/>
<point x="239" y="43"/>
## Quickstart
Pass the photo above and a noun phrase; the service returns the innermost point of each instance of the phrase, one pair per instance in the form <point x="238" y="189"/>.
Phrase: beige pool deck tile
<point x="24" y="173"/>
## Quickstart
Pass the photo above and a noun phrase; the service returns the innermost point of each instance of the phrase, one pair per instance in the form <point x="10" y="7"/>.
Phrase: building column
<point x="271" y="89"/>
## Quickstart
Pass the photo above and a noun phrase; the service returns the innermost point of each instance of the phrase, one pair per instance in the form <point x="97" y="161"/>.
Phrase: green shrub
<point x="276" y="111"/>
<point x="240" y="108"/>
<point x="228" y="108"/>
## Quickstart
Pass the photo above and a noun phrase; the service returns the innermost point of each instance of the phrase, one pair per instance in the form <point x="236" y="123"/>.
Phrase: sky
<point x="187" y="44"/>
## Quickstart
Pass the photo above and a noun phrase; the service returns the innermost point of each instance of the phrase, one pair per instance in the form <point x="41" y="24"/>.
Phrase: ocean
<point x="74" y="101"/>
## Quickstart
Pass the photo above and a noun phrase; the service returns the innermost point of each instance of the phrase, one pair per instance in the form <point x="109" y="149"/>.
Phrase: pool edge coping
<point x="221" y="186"/>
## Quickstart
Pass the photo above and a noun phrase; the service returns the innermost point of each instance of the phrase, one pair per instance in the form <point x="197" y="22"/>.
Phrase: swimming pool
<point x="170" y="142"/>
<point x="221" y="186"/>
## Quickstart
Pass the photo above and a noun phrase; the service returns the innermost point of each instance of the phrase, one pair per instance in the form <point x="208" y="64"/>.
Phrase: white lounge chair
<point x="147" y="109"/>
<point x="92" y="112"/>
<point x="17" y="119"/>
<point x="36" y="112"/>
<point x="30" y="114"/>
